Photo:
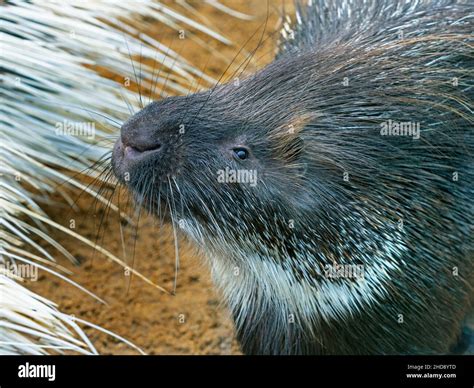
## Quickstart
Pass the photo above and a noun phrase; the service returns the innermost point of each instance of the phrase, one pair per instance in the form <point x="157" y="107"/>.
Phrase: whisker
<point x="175" y="236"/>
<point x="233" y="59"/>
<point x="140" y="103"/>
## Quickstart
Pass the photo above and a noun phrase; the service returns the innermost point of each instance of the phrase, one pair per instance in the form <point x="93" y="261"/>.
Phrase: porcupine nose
<point x="136" y="141"/>
<point x="137" y="149"/>
<point x="138" y="146"/>
<point x="150" y="140"/>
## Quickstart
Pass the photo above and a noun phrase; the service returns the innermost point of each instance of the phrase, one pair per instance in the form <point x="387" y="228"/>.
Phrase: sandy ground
<point x="193" y="321"/>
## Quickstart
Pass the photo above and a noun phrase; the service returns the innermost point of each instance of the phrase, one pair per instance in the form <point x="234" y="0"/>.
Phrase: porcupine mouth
<point x="126" y="160"/>
<point x="132" y="168"/>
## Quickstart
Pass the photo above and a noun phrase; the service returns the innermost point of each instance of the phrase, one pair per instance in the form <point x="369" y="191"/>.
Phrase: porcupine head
<point x="331" y="191"/>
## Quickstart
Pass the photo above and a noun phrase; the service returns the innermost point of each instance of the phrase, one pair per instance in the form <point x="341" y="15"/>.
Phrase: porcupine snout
<point x="148" y="142"/>
<point x="139" y="141"/>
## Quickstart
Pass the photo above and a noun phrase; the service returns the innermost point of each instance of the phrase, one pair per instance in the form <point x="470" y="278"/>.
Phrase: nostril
<point x="139" y="145"/>
<point x="147" y="147"/>
<point x="131" y="152"/>
<point x="134" y="151"/>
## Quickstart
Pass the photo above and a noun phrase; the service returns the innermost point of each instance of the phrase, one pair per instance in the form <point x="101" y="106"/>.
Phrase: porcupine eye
<point x="241" y="153"/>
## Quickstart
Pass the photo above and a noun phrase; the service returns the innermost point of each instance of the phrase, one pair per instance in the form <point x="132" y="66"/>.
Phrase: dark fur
<point x="336" y="131"/>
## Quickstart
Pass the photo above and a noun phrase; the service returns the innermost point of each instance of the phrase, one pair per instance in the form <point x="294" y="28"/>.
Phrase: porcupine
<point x="359" y="135"/>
